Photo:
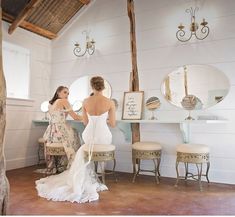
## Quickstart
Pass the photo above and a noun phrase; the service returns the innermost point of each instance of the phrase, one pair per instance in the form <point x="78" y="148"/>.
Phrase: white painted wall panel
<point x="159" y="53"/>
<point x="21" y="135"/>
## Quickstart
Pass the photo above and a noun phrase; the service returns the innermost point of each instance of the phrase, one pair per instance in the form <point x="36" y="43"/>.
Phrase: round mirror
<point x="152" y="104"/>
<point x="198" y="86"/>
<point x="77" y="106"/>
<point x="45" y="106"/>
<point x="81" y="89"/>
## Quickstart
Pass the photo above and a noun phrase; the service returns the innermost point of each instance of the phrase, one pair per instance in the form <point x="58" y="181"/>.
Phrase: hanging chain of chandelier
<point x="194" y="27"/>
<point x="89" y="46"/>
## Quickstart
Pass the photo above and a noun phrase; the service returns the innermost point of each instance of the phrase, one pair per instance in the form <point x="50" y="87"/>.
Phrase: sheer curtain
<point x="16" y="66"/>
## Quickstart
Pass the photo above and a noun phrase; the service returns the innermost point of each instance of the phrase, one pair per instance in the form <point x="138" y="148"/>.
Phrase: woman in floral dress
<point x="59" y="131"/>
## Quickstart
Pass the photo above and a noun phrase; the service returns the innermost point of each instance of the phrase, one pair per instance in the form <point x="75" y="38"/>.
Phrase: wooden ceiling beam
<point x="31" y="27"/>
<point x="85" y="2"/>
<point x="36" y="29"/>
<point x="23" y="14"/>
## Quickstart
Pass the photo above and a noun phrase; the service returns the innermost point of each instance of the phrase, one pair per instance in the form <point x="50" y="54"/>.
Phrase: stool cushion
<point x="192" y="148"/>
<point x="41" y="140"/>
<point x="148" y="146"/>
<point x="100" y="148"/>
<point x="54" y="145"/>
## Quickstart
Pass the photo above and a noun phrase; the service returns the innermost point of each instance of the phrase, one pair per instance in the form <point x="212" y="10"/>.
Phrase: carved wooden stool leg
<point x="177" y="172"/>
<point x="96" y="166"/>
<point x="102" y="164"/>
<point x="199" y="175"/>
<point x="186" y="170"/>
<point x="158" y="167"/>
<point x="134" y="160"/>
<point x="114" y="173"/>
<point x="134" y="164"/>
<point x="155" y="169"/>
<point x="39" y="155"/>
<point x="207" y="171"/>
<point x="56" y="163"/>
<point x="138" y="163"/>
<point x="50" y="164"/>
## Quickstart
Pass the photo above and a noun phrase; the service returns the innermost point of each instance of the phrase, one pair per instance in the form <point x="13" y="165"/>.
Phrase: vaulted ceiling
<point x="43" y="17"/>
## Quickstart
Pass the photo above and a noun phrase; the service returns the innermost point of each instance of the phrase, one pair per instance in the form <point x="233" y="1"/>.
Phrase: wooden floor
<point x="125" y="198"/>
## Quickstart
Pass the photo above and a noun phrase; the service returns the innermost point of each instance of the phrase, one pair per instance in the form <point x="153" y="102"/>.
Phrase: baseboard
<point x="21" y="162"/>
<point x="215" y="175"/>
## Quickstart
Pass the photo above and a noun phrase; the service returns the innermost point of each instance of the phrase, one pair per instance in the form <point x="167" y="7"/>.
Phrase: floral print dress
<point x="59" y="131"/>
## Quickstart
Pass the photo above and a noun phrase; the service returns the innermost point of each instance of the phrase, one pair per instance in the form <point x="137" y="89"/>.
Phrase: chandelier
<point x="89" y="48"/>
<point x="194" y="27"/>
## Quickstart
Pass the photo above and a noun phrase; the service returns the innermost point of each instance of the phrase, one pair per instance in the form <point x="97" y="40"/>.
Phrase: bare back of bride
<point x="80" y="183"/>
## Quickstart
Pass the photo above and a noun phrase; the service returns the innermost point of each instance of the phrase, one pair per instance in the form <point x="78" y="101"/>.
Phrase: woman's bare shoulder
<point x="107" y="99"/>
<point x="61" y="101"/>
<point x="86" y="100"/>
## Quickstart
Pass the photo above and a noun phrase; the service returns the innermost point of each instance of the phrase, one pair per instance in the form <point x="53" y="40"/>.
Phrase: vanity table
<point x="125" y="125"/>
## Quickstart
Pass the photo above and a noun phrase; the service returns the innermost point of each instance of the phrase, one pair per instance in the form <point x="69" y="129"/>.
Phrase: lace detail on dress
<point x="80" y="183"/>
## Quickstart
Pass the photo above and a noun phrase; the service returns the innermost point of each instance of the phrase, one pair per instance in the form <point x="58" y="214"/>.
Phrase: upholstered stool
<point x="101" y="154"/>
<point x="146" y="151"/>
<point x="41" y="154"/>
<point x="54" y="150"/>
<point x="193" y="154"/>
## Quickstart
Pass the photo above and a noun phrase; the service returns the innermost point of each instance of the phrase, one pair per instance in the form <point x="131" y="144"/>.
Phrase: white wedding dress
<point x="79" y="183"/>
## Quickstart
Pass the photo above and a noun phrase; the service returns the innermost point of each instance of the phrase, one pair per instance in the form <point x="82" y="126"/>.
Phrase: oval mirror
<point x="205" y="83"/>
<point x="81" y="89"/>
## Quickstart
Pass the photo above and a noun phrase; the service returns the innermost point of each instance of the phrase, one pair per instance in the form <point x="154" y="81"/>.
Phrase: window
<point x="16" y="69"/>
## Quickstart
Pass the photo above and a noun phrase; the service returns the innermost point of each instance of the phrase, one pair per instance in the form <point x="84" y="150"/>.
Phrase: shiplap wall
<point x="21" y="134"/>
<point x="159" y="53"/>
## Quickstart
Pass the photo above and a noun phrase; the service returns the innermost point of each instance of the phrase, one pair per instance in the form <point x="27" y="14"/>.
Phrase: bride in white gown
<point x="80" y="183"/>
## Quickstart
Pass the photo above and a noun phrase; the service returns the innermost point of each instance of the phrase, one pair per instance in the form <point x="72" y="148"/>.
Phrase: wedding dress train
<point x="80" y="183"/>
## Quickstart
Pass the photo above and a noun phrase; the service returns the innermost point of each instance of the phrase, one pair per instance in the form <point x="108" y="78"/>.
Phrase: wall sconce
<point x="194" y="27"/>
<point x="90" y="46"/>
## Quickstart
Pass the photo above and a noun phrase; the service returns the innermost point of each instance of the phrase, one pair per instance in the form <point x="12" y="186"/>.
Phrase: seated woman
<point x="59" y="131"/>
<point x="80" y="183"/>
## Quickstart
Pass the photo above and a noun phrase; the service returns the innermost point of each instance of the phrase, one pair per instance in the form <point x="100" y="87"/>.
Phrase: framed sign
<point x="132" y="105"/>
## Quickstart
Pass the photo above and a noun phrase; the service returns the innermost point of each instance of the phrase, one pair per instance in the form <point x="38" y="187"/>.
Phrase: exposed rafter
<point x="22" y="15"/>
<point x="44" y="17"/>
<point x="31" y="27"/>
<point x="85" y="2"/>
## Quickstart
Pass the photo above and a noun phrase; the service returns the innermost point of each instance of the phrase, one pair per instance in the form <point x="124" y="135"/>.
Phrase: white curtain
<point x="16" y="66"/>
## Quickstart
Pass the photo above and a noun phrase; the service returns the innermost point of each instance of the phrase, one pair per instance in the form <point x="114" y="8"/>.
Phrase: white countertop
<point x="157" y="121"/>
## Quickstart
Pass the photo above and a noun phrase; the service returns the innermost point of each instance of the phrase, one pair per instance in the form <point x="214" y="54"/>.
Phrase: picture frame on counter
<point x="132" y="105"/>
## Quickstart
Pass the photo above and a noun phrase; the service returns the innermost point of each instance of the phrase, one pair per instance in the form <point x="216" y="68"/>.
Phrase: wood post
<point x="29" y="26"/>
<point x="23" y="14"/>
<point x="4" y="186"/>
<point x="85" y="2"/>
<point x="134" y="78"/>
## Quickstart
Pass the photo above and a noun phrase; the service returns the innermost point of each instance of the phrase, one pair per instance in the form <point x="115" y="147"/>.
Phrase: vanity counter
<point x="125" y="125"/>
